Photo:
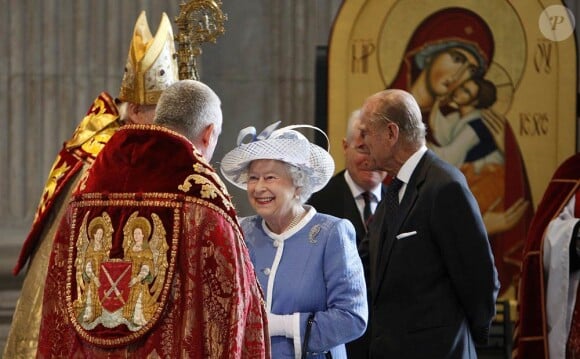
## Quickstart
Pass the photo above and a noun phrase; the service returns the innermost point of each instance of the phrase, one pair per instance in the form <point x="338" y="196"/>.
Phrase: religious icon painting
<point x="496" y="84"/>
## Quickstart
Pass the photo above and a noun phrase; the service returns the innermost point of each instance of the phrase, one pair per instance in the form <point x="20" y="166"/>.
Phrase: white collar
<point x="357" y="190"/>
<point x="310" y="212"/>
<point x="409" y="166"/>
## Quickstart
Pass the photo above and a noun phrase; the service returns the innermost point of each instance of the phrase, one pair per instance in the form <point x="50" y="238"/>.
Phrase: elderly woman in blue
<point x="307" y="262"/>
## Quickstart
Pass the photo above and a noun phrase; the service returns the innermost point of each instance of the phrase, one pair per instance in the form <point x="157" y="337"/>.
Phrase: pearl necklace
<point x="295" y="220"/>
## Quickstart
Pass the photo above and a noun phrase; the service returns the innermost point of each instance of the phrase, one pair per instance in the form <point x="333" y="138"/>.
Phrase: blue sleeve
<point x="346" y="316"/>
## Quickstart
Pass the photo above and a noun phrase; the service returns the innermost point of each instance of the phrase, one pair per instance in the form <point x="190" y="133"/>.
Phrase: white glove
<point x="280" y="325"/>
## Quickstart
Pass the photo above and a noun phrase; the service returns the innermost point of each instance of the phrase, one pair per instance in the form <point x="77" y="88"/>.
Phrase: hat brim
<point x="314" y="160"/>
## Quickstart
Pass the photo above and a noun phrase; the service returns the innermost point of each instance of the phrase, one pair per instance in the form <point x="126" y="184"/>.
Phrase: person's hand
<point x="497" y="222"/>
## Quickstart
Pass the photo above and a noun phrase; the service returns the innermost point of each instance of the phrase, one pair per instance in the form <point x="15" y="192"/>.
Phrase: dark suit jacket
<point x="433" y="292"/>
<point x="336" y="199"/>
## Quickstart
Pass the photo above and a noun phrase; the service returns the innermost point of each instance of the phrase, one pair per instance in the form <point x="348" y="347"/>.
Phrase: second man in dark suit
<point x="344" y="195"/>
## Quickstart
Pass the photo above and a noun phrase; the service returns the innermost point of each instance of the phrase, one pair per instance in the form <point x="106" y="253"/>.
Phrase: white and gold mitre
<point x="151" y="64"/>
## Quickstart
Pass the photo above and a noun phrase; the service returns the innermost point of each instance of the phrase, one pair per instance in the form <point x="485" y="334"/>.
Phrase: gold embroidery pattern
<point x="95" y="144"/>
<point x="149" y="264"/>
<point x="93" y="247"/>
<point x="56" y="173"/>
<point x="155" y="128"/>
<point x="201" y="169"/>
<point x="83" y="181"/>
<point x="231" y="220"/>
<point x="131" y="290"/>
<point x="152" y="199"/>
<point x="162" y="199"/>
<point x="208" y="189"/>
<point x="98" y="119"/>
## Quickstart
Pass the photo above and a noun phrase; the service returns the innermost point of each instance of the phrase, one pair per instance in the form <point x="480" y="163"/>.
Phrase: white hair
<point x="301" y="179"/>
<point x="188" y="107"/>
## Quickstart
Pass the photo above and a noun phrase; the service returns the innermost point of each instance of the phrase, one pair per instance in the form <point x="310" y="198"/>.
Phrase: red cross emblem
<point x="114" y="290"/>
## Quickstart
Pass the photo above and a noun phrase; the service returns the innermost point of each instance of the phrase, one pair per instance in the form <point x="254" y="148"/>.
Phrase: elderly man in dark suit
<point x="354" y="194"/>
<point x="433" y="283"/>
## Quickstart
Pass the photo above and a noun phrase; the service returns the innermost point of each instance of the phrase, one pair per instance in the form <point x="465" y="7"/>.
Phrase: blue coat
<point x="312" y="268"/>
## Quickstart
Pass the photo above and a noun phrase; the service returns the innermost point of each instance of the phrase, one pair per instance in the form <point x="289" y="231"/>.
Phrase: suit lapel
<point x="351" y="211"/>
<point x="388" y="235"/>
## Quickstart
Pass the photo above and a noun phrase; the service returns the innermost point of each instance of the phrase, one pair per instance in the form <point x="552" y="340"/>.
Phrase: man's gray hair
<point x="188" y="107"/>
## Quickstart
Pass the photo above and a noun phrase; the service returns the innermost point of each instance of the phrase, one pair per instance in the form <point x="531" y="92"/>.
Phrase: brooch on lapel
<point x="313" y="234"/>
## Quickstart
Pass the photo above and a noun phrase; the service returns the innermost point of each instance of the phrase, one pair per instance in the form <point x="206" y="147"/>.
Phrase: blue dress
<point x="313" y="267"/>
